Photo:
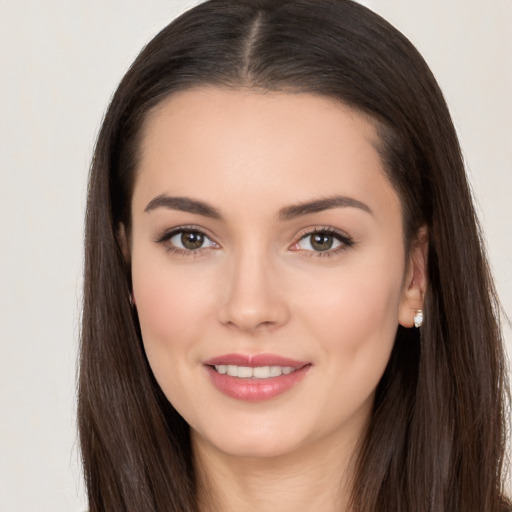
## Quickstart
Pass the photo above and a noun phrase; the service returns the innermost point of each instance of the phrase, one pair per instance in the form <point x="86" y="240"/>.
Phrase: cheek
<point x="171" y="305"/>
<point x="354" y="322"/>
<point x="171" y="308"/>
<point x="356" y="314"/>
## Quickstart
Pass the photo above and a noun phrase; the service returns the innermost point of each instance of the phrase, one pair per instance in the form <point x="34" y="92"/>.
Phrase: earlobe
<point x="415" y="283"/>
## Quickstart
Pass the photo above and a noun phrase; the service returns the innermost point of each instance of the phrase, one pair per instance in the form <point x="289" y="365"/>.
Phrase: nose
<point x="254" y="298"/>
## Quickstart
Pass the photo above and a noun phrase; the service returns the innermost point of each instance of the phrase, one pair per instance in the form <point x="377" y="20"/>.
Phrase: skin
<point x="258" y="286"/>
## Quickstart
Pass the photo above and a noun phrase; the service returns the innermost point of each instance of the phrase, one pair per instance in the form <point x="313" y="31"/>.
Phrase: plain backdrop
<point x="60" y="61"/>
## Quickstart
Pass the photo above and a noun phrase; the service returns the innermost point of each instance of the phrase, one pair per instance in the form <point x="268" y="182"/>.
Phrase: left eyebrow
<point x="298" y="210"/>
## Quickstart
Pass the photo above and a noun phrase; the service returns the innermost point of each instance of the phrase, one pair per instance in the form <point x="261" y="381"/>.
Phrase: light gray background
<point x="60" y="62"/>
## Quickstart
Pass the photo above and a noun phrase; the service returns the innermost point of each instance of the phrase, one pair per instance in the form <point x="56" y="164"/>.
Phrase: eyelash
<point x="345" y="241"/>
<point x="168" y="235"/>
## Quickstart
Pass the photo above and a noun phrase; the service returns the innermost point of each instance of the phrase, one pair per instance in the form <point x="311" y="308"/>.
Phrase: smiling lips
<point x="255" y="378"/>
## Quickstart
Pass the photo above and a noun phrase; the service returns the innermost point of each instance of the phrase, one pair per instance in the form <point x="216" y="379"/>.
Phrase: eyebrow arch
<point x="294" y="211"/>
<point x="183" y="204"/>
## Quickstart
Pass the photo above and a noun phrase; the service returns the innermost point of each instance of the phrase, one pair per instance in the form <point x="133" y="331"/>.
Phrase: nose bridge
<point x="253" y="298"/>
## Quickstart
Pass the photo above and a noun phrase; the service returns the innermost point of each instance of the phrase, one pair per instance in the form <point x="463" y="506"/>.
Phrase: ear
<point x="415" y="281"/>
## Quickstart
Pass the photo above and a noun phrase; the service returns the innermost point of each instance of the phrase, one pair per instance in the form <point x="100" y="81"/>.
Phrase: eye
<point x="190" y="240"/>
<point x="323" y="241"/>
<point x="319" y="242"/>
<point x="186" y="241"/>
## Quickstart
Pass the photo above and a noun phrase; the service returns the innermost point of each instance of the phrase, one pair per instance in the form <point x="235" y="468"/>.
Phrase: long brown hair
<point x="437" y="434"/>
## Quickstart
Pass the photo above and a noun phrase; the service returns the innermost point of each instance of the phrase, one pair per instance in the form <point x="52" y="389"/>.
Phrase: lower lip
<point x="256" y="390"/>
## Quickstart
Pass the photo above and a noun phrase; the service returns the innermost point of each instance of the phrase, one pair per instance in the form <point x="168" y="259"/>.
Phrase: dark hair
<point x="437" y="433"/>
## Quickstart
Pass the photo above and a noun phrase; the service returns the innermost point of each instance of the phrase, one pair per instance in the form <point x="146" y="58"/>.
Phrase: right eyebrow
<point x="184" y="204"/>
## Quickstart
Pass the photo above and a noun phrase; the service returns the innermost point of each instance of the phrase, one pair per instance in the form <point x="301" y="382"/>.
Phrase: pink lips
<point x="250" y="389"/>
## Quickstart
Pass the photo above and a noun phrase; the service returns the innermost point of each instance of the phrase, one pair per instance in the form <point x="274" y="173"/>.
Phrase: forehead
<point x="231" y="145"/>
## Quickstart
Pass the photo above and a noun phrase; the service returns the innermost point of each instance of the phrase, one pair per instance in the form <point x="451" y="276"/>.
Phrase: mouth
<point x="255" y="378"/>
<point x="257" y="372"/>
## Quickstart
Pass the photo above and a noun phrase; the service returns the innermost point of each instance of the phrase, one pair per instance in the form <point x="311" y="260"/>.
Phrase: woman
<point x="286" y="303"/>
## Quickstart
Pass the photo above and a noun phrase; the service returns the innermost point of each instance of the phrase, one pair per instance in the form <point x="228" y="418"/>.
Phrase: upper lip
<point x="254" y="360"/>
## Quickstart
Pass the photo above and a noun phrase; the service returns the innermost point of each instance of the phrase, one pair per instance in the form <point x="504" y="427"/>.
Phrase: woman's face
<point x="268" y="266"/>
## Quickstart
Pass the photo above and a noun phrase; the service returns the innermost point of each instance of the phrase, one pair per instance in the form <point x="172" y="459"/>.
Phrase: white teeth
<point x="232" y="370"/>
<point x="263" y="372"/>
<point x="258" y="372"/>
<point x="244" y="372"/>
<point x="275" y="371"/>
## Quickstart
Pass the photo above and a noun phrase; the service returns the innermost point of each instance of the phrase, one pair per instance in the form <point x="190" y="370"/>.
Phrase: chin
<point x="250" y="444"/>
<point x="251" y="449"/>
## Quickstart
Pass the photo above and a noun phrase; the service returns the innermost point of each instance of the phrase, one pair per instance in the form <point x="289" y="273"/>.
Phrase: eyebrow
<point x="319" y="205"/>
<point x="185" y="204"/>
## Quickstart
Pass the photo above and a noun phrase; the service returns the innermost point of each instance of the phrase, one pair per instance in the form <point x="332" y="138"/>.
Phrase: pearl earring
<point x="418" y="318"/>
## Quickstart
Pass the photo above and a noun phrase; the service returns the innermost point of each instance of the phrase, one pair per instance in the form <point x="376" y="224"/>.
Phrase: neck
<point x="316" y="477"/>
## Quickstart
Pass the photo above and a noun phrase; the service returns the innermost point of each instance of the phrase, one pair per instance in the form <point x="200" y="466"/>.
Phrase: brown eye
<point x="192" y="240"/>
<point x="188" y="240"/>
<point x="322" y="241"/>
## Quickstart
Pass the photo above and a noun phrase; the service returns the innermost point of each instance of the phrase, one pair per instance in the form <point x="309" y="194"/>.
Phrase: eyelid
<point x="168" y="234"/>
<point x="344" y="238"/>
